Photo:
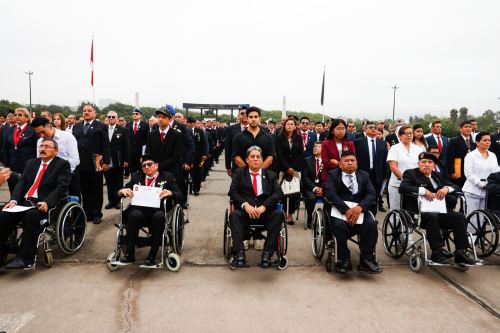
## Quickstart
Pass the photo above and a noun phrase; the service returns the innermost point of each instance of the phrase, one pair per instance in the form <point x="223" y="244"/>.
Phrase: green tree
<point x="454" y="115"/>
<point x="463" y="114"/>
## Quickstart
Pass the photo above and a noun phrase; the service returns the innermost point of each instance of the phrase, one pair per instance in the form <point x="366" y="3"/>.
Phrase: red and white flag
<point x="92" y="63"/>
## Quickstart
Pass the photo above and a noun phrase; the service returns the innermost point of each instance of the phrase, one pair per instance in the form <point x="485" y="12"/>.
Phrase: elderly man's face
<point x="426" y="166"/>
<point x="88" y="113"/>
<point x="112" y="118"/>
<point x="122" y="121"/>
<point x="254" y="160"/>
<point x="47" y="150"/>
<point x="149" y="167"/>
<point x="349" y="164"/>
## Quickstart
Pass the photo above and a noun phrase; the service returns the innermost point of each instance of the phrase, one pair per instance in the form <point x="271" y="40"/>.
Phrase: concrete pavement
<point x="78" y="293"/>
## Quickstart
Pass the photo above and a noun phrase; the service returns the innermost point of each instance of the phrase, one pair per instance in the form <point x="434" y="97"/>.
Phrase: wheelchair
<point x="65" y="226"/>
<point x="257" y="229"/>
<point x="172" y="243"/>
<point x="399" y="224"/>
<point x="486" y="233"/>
<point x="322" y="237"/>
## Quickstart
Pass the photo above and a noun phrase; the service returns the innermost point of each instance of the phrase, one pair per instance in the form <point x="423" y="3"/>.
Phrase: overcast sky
<point x="442" y="54"/>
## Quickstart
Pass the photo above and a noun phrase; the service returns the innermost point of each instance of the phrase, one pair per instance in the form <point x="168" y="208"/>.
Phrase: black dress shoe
<point x="240" y="260"/>
<point x="462" y="259"/>
<point x="369" y="266"/>
<point x="290" y="222"/>
<point x="265" y="262"/>
<point x="149" y="262"/>
<point x="117" y="206"/>
<point x="196" y="193"/>
<point x="109" y="206"/>
<point x="19" y="263"/>
<point x="128" y="259"/>
<point x="343" y="266"/>
<point x="97" y="220"/>
<point x="382" y="209"/>
<point x="439" y="257"/>
<point x="447" y="254"/>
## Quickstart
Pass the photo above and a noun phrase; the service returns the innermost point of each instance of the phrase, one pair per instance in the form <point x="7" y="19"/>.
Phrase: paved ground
<point x="78" y="293"/>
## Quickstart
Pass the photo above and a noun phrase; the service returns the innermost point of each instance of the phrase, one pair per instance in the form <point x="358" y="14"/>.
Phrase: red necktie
<point x="467" y="142"/>
<point x="254" y="184"/>
<point x="135" y="128"/>
<point x="162" y="137"/>
<point x="440" y="144"/>
<point x="317" y="166"/>
<point x="34" y="187"/>
<point x="304" y="138"/>
<point x="149" y="182"/>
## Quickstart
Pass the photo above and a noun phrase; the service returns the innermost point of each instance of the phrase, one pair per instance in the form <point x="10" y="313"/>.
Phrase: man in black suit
<point x="200" y="154"/>
<point x="255" y="193"/>
<point x="44" y="182"/>
<point x="312" y="186"/>
<point x="93" y="147"/>
<point x="458" y="147"/>
<point x="165" y="144"/>
<point x="438" y="140"/>
<point x="138" y="131"/>
<point x="138" y="216"/>
<point x="231" y="132"/>
<point x="372" y="158"/>
<point x="432" y="185"/>
<point x="495" y="145"/>
<point x="120" y="157"/>
<point x="345" y="187"/>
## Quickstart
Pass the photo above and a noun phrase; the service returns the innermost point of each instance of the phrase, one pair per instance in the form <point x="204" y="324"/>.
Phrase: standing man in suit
<point x="200" y="153"/>
<point x="308" y="137"/>
<point x="71" y="122"/>
<point x="312" y="185"/>
<point x="165" y="144"/>
<point x="458" y="147"/>
<point x="495" y="145"/>
<point x="372" y="158"/>
<point x="255" y="193"/>
<point x="138" y="131"/>
<point x="93" y="145"/>
<point x="438" y="140"/>
<point x="231" y="132"/>
<point x="44" y="182"/>
<point x="120" y="158"/>
<point x="351" y="131"/>
<point x="348" y="184"/>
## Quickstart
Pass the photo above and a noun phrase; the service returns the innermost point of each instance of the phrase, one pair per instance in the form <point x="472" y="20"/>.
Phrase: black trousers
<point x="377" y="187"/>
<point x="31" y="229"/>
<point x="114" y="182"/>
<point x="434" y="222"/>
<point x="91" y="187"/>
<point x="196" y="175"/>
<point x="310" y="202"/>
<point x="240" y="226"/>
<point x="368" y="236"/>
<point x="134" y="164"/>
<point x="138" y="217"/>
<point x="292" y="203"/>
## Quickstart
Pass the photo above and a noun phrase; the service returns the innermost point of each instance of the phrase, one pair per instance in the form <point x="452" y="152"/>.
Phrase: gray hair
<point x="252" y="148"/>
<point x="56" y="146"/>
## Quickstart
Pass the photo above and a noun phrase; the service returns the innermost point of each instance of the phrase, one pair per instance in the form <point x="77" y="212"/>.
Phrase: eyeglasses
<point x="408" y="133"/>
<point x="111" y="116"/>
<point x="148" y="164"/>
<point x="350" y="126"/>
<point x="305" y="123"/>
<point x="46" y="147"/>
<point x="243" y="113"/>
<point x="19" y="115"/>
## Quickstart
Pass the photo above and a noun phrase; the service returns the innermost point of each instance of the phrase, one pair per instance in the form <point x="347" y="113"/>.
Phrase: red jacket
<point x="329" y="151"/>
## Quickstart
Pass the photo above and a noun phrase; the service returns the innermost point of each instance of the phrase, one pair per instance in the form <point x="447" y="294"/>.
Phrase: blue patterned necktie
<point x="350" y="183"/>
<point x="86" y="127"/>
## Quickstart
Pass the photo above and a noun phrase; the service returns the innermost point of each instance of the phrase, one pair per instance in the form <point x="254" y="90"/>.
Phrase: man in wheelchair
<point x="351" y="193"/>
<point x="431" y="185"/>
<point x="154" y="218"/>
<point x="493" y="188"/>
<point x="45" y="181"/>
<point x="255" y="193"/>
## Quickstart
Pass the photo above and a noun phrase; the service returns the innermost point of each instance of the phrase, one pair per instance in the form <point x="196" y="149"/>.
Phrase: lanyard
<point x="152" y="181"/>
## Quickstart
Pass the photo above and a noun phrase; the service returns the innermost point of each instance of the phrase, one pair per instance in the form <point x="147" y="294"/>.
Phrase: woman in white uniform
<point x="478" y="165"/>
<point x="401" y="157"/>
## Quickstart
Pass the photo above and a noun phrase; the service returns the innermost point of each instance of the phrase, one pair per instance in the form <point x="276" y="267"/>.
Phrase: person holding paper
<point x="431" y="185"/>
<point x="44" y="182"/>
<point x="154" y="218"/>
<point x="458" y="147"/>
<point x="349" y="187"/>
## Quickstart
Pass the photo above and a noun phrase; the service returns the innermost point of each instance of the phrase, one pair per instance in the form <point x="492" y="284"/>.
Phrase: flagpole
<point x="92" y="69"/>
<point x="323" y="94"/>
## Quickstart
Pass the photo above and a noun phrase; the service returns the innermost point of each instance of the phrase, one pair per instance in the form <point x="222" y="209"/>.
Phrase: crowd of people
<point x="330" y="160"/>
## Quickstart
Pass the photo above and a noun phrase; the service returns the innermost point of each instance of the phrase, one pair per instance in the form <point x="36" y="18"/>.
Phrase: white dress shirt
<point x="259" y="183"/>
<point x="68" y="147"/>
<point x="476" y="167"/>
<point x="370" y="149"/>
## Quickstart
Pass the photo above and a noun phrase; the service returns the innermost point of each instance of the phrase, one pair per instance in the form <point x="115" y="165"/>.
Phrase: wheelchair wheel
<point x="47" y="258"/>
<point x="172" y="262"/>
<point x="112" y="257"/>
<point x="178" y="229"/>
<point x="415" y="262"/>
<point x="395" y="233"/>
<point x="227" y="243"/>
<point x="485" y="232"/>
<point x="282" y="263"/>
<point x="71" y="227"/>
<point x="318" y="234"/>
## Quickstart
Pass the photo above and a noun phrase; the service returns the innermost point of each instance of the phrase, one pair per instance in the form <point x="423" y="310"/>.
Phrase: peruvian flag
<point x="92" y="63"/>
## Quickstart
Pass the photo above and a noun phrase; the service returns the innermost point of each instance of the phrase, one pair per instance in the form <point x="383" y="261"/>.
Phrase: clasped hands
<point x="438" y="195"/>
<point x="254" y="212"/>
<point x="352" y="214"/>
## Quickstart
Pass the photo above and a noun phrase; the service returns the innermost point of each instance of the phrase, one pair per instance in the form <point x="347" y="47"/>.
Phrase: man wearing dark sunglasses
<point x="231" y="132"/>
<point x="120" y="157"/>
<point x="153" y="218"/>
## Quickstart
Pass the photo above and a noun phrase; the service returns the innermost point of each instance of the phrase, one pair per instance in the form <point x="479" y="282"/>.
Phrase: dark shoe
<point x="439" y="257"/>
<point x="97" y="220"/>
<point x="369" y="266"/>
<point x="196" y="193"/>
<point x="265" y="262"/>
<point x="19" y="263"/>
<point x="447" y="254"/>
<point x="343" y="266"/>
<point x="240" y="260"/>
<point x="382" y="209"/>
<point x="149" y="262"/>
<point x="184" y="206"/>
<point x="117" y="206"/>
<point x="109" y="206"/>
<point x="462" y="259"/>
<point x="290" y="222"/>
<point x="127" y="260"/>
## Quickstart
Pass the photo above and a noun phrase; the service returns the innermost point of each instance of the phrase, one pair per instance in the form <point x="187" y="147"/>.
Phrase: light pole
<point x="394" y="102"/>
<point x="29" y="73"/>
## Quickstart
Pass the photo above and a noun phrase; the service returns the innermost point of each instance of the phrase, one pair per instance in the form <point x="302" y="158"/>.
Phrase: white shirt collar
<point x="153" y="176"/>
<point x="22" y="126"/>
<point x="259" y="173"/>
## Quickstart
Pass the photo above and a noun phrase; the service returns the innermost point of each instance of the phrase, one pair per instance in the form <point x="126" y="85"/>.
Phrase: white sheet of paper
<point x="336" y="213"/>
<point x="143" y="149"/>
<point x="17" y="209"/>
<point x="434" y="206"/>
<point x="146" y="196"/>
